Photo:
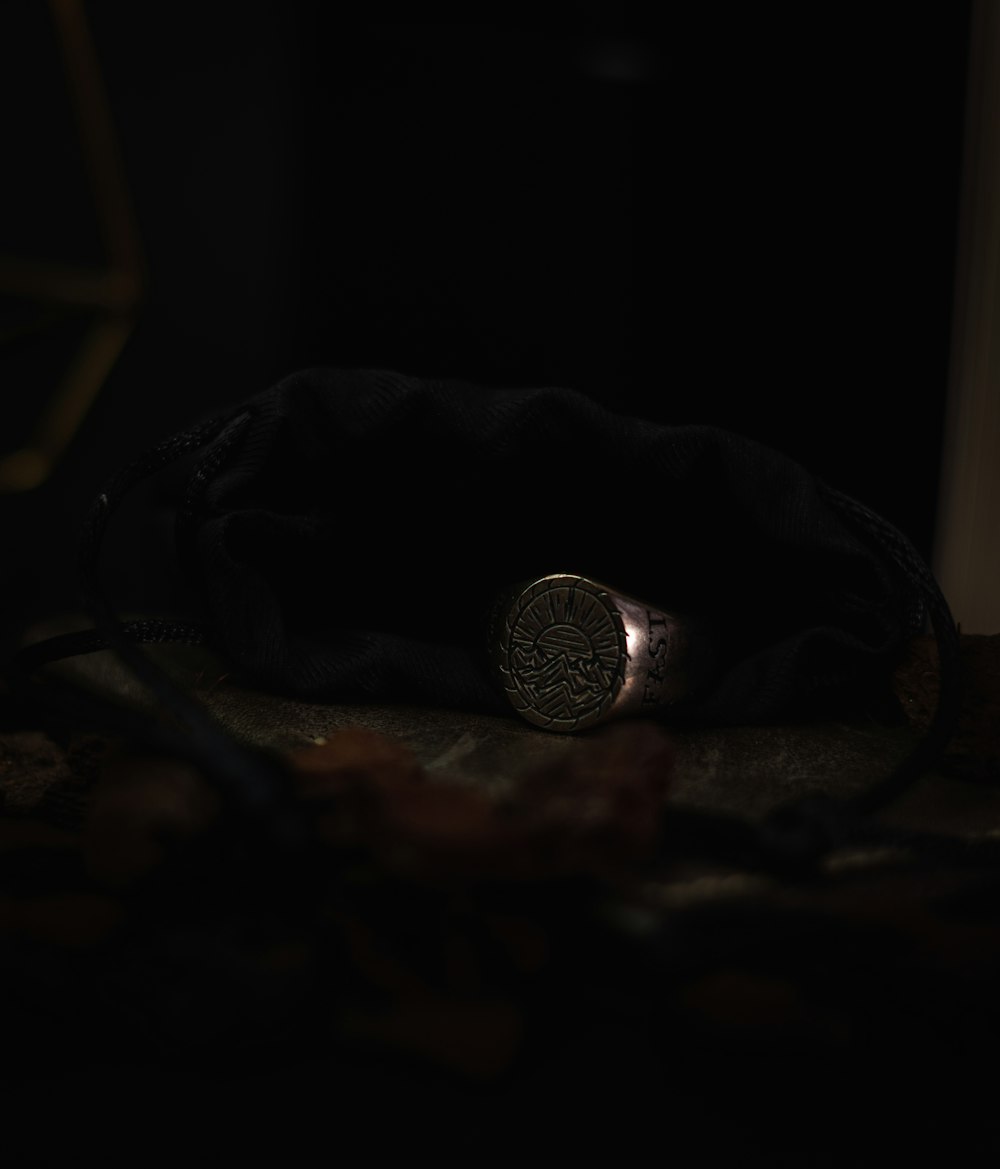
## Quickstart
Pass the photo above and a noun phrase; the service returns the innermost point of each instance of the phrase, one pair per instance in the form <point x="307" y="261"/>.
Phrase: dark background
<point x="741" y="219"/>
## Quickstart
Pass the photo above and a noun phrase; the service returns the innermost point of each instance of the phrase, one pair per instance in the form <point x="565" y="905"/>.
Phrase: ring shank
<point x="658" y="655"/>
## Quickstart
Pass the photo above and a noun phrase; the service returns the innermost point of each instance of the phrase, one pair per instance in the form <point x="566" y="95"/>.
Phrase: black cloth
<point x="348" y="529"/>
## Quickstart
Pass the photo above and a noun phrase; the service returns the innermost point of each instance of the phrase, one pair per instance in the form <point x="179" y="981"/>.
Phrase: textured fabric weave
<point x="348" y="535"/>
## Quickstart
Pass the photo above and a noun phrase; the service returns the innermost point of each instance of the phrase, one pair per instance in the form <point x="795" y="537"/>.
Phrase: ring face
<point x="562" y="653"/>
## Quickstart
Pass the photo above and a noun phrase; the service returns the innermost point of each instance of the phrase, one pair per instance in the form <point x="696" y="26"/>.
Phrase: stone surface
<point x="746" y="770"/>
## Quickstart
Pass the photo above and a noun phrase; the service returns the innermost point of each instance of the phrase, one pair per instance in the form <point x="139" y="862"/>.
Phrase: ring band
<point x="572" y="653"/>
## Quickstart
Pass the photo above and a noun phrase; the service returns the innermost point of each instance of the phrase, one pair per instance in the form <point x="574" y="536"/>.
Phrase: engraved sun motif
<point x="565" y="653"/>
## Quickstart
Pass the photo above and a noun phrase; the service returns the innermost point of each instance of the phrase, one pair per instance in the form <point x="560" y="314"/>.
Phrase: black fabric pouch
<point x="344" y="532"/>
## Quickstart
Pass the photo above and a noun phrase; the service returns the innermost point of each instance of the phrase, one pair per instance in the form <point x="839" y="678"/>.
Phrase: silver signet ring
<point x="571" y="653"/>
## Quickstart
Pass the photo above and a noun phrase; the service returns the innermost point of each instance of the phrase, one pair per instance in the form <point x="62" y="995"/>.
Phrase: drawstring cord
<point x="800" y="834"/>
<point x="946" y="716"/>
<point x="147" y="631"/>
<point x="253" y="784"/>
